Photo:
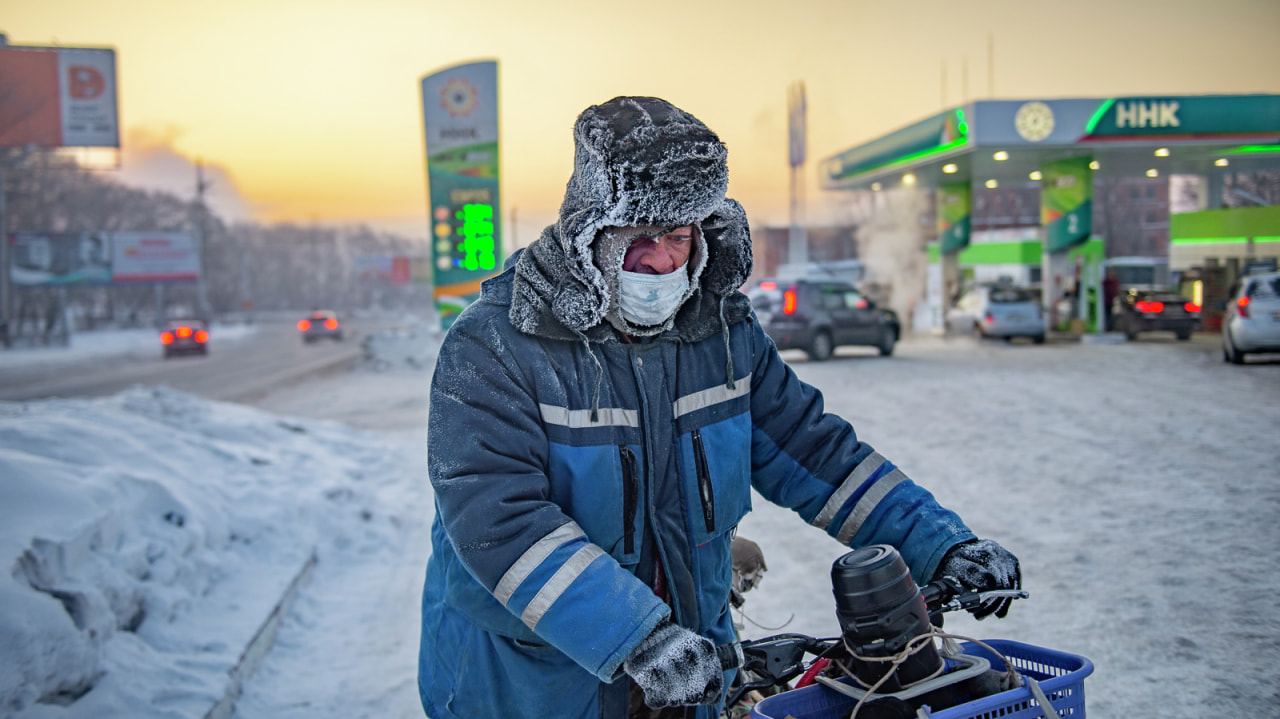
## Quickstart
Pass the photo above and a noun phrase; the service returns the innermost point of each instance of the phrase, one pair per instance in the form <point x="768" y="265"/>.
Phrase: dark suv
<point x="819" y="315"/>
<point x="1156" y="311"/>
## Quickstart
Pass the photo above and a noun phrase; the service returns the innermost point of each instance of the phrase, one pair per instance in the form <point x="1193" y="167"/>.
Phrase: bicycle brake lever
<point x="779" y="658"/>
<point x="973" y="600"/>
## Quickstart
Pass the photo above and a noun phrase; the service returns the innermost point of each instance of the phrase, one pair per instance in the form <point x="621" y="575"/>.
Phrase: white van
<point x="1139" y="273"/>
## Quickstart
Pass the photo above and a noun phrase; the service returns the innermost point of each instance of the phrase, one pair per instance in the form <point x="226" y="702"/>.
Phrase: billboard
<point x="390" y="269"/>
<point x="59" y="258"/>
<point x="71" y="258"/>
<point x="58" y="97"/>
<point x="460" y="119"/>
<point x="154" y="257"/>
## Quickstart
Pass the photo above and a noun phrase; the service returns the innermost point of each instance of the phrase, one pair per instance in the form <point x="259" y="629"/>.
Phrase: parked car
<point x="818" y="316"/>
<point x="1251" y="322"/>
<point x="184" y="336"/>
<point x="319" y="325"/>
<point x="999" y="310"/>
<point x="1163" y="310"/>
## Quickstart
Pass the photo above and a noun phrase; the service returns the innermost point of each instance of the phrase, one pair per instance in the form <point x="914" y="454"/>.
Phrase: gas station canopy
<point x="998" y="142"/>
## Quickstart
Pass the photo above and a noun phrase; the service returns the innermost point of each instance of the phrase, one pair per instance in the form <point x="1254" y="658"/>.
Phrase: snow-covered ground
<point x="149" y="534"/>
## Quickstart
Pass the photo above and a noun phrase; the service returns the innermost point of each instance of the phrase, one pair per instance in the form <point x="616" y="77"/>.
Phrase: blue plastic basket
<point x="1060" y="675"/>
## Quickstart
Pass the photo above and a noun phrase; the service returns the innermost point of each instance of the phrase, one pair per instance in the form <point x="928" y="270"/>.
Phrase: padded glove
<point x="980" y="565"/>
<point x="675" y="667"/>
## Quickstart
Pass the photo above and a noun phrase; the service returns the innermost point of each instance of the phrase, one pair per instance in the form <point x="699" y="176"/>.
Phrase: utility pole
<point x="991" y="66"/>
<point x="944" y="85"/>
<point x="797" y="239"/>
<point x="202" y="289"/>
<point x="6" y="304"/>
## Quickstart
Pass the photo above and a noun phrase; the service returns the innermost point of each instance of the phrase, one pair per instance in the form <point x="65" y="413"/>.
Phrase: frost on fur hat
<point x="637" y="161"/>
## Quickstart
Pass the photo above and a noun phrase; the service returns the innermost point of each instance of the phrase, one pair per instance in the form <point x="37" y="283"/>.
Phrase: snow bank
<point x="149" y="535"/>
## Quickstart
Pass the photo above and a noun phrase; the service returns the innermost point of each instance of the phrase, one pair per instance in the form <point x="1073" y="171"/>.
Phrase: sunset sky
<point x="309" y="110"/>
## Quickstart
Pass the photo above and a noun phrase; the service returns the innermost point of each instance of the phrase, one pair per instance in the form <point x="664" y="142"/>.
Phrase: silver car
<point x="1251" y="322"/>
<point x="999" y="310"/>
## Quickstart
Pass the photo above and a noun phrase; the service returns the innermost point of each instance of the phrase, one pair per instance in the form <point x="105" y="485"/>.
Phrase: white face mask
<point x="647" y="300"/>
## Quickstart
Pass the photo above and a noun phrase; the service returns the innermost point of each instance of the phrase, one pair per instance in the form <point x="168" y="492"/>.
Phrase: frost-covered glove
<point x="675" y="667"/>
<point x="980" y="565"/>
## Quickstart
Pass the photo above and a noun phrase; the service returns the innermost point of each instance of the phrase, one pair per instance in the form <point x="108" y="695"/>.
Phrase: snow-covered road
<point x="1138" y="483"/>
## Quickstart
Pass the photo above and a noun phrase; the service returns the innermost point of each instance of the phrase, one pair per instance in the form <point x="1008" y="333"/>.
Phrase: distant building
<point x="771" y="245"/>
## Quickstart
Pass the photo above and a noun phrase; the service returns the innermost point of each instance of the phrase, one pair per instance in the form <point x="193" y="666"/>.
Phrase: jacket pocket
<point x="705" y="492"/>
<point x="630" y="498"/>
<point x="715" y="469"/>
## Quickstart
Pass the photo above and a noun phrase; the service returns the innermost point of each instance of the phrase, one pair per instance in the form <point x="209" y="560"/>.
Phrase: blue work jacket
<point x="553" y="461"/>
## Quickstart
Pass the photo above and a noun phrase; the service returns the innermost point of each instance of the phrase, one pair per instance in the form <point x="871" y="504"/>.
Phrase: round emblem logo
<point x="1034" y="121"/>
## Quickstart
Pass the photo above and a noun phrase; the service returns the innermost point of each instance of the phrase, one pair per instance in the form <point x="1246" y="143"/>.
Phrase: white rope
<point x="950" y="648"/>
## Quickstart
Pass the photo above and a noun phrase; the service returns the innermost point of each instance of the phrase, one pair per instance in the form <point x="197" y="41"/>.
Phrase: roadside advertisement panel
<point x="955" y="210"/>
<point x="154" y="257"/>
<point x="389" y="269"/>
<point x="373" y="268"/>
<point x="87" y="97"/>
<point x="58" y="97"/>
<point x="460" y="116"/>
<point x="59" y="258"/>
<point x="1066" y="202"/>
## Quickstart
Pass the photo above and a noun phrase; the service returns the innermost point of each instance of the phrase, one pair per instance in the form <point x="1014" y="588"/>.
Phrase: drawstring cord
<point x="595" y="400"/>
<point x="728" y="353"/>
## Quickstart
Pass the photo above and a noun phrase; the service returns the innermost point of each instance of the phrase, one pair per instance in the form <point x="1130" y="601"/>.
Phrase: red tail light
<point x="768" y="285"/>
<point x="1242" y="307"/>
<point x="1191" y="307"/>
<point x="789" y="302"/>
<point x="304" y="325"/>
<point x="331" y="324"/>
<point x="202" y="336"/>
<point x="184" y="331"/>
<point x="862" y="303"/>
<point x="989" y="317"/>
<point x="166" y="338"/>
<point x="1153" y="307"/>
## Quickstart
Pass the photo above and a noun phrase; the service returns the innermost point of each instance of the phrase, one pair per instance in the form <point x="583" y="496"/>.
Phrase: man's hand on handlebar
<point x="984" y="570"/>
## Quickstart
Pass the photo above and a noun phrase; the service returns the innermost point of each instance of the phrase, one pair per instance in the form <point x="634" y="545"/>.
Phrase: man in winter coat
<point x="598" y="420"/>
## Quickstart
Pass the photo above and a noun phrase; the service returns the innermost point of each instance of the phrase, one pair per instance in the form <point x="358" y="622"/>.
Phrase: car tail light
<point x="768" y="285"/>
<point x="1191" y="307"/>
<point x="166" y="338"/>
<point x="861" y="304"/>
<point x="304" y="325"/>
<point x="202" y="336"/>
<point x="183" y="332"/>
<point x="1242" y="307"/>
<point x="989" y="317"/>
<point x="789" y="302"/>
<point x="1150" y="306"/>
<point x="331" y="324"/>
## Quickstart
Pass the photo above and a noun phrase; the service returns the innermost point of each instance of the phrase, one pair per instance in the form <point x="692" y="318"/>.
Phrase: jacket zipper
<point x="704" y="482"/>
<point x="630" y="497"/>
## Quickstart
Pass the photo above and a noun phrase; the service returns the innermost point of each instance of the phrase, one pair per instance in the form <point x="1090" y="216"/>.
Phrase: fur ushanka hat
<point x="637" y="161"/>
